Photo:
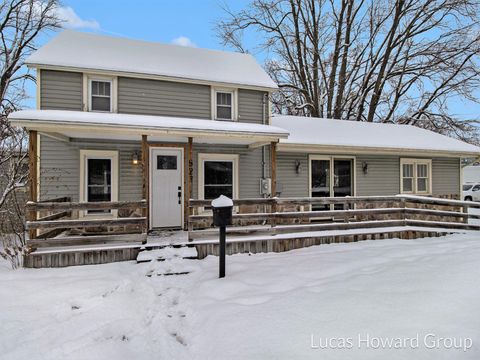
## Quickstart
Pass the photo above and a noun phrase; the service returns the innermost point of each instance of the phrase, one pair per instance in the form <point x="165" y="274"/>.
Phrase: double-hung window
<point x="218" y="175"/>
<point x="416" y="176"/>
<point x="224" y="105"/>
<point x="100" y="95"/>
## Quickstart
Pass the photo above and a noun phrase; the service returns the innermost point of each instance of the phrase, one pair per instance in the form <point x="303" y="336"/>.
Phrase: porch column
<point x="145" y="175"/>
<point x="273" y="166"/>
<point x="189" y="190"/>
<point x="33" y="175"/>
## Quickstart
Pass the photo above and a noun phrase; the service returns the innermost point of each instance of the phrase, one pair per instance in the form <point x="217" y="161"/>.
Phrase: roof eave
<point x="39" y="125"/>
<point x="342" y="149"/>
<point x="101" y="71"/>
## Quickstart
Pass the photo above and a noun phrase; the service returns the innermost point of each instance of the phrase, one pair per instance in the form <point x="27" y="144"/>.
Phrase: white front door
<point x="166" y="187"/>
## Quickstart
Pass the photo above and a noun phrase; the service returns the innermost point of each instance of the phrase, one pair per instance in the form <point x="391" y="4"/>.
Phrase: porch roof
<point x="330" y="135"/>
<point x="125" y="126"/>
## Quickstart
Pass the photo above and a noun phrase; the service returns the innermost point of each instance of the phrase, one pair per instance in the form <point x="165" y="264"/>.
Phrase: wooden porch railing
<point x="47" y="219"/>
<point x="288" y="215"/>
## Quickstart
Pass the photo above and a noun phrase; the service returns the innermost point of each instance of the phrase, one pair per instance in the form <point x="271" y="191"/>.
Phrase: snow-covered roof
<point x="141" y="123"/>
<point x="354" y="135"/>
<point x="98" y="52"/>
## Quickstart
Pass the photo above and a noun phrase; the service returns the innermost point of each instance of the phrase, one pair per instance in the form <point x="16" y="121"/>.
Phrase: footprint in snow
<point x="179" y="339"/>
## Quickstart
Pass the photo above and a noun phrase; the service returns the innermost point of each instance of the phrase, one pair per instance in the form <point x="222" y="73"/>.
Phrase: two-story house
<point x="203" y="115"/>
<point x="121" y="119"/>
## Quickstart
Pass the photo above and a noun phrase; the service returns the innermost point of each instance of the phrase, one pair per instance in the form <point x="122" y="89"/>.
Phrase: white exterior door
<point x="166" y="187"/>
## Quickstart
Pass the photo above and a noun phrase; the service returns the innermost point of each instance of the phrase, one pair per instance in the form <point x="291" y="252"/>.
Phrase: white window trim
<point x="416" y="162"/>
<point x="331" y="158"/>
<point x="202" y="157"/>
<point x="98" y="154"/>
<point x="87" y="90"/>
<point x="213" y="96"/>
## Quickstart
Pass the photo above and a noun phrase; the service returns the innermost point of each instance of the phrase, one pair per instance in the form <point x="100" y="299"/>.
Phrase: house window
<point x="415" y="176"/>
<point x="98" y="174"/>
<point x="101" y="95"/>
<point x="224" y="103"/>
<point x="218" y="176"/>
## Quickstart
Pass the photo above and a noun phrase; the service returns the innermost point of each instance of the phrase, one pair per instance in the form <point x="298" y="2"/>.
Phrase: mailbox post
<point x="222" y="216"/>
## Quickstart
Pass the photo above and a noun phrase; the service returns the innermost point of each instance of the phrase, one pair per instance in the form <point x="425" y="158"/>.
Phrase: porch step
<point x="168" y="252"/>
<point x="168" y="261"/>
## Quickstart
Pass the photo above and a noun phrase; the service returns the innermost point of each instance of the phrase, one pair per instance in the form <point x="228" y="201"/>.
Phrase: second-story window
<point x="224" y="105"/>
<point x="100" y="95"/>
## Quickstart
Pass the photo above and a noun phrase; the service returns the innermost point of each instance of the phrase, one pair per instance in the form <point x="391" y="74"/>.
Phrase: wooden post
<point x="145" y="177"/>
<point x="273" y="162"/>
<point x="188" y="190"/>
<point x="273" y="176"/>
<point x="32" y="175"/>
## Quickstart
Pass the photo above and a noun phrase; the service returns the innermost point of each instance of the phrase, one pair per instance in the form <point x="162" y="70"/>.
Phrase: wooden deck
<point x="63" y="233"/>
<point x="61" y="236"/>
<point x="283" y="224"/>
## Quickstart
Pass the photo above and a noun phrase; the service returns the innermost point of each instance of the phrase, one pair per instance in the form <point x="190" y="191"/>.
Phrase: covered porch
<point x="101" y="178"/>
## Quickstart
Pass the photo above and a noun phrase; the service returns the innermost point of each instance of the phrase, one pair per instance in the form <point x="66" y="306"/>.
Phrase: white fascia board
<point x="136" y="130"/>
<point x="348" y="150"/>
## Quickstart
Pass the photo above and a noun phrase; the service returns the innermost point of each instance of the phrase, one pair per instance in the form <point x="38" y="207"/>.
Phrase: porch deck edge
<point x="309" y="234"/>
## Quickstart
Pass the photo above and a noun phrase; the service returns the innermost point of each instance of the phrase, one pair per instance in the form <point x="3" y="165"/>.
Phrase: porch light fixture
<point x="298" y="166"/>
<point x="135" y="158"/>
<point x="365" y="167"/>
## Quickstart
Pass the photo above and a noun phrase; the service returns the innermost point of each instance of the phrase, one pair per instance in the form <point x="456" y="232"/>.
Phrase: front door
<point x="166" y="166"/>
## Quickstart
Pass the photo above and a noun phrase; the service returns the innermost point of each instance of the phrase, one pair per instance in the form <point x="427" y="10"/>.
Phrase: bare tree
<point x="21" y="24"/>
<point x="367" y="60"/>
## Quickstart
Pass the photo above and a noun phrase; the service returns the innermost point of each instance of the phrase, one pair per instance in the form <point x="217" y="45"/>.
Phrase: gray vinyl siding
<point x="446" y="176"/>
<point x="289" y="183"/>
<point x="250" y="167"/>
<point x="163" y="98"/>
<point x="382" y="178"/>
<point x="60" y="168"/>
<point x="251" y="106"/>
<point x="61" y="90"/>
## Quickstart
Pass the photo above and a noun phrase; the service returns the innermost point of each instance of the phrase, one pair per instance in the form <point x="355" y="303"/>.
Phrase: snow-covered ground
<point x="270" y="306"/>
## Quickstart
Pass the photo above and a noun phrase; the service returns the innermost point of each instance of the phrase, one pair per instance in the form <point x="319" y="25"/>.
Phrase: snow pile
<point x="269" y="306"/>
<point x="222" y="201"/>
<point x="138" y="122"/>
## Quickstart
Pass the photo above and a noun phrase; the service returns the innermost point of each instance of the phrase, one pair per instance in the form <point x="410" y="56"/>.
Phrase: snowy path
<point x="268" y="306"/>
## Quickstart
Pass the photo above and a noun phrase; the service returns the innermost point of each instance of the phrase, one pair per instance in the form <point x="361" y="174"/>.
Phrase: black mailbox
<point x="222" y="216"/>
<point x="222" y="211"/>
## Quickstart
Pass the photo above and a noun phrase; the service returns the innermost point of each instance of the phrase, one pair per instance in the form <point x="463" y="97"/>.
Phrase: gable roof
<point x="363" y="136"/>
<point x="71" y="49"/>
